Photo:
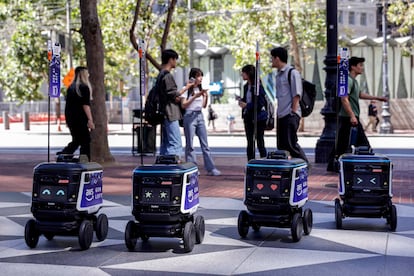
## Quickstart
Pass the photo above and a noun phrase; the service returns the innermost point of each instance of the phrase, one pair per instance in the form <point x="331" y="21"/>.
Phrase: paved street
<point x="363" y="247"/>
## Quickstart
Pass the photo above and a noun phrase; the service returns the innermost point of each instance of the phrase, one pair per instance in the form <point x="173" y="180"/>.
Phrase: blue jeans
<point x="194" y="125"/>
<point x="171" y="138"/>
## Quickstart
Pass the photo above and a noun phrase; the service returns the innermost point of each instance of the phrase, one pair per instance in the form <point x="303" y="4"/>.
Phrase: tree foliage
<point x="25" y="28"/>
<point x="24" y="50"/>
<point x="153" y="22"/>
<point x="402" y="14"/>
<point x="238" y="24"/>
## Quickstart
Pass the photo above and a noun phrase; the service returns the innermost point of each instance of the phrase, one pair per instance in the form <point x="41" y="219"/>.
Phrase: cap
<point x="353" y="61"/>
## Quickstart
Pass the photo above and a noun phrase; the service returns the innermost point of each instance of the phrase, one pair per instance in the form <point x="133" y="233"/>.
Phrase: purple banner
<point x="54" y="73"/>
<point x="300" y="192"/>
<point x="192" y="192"/>
<point x="92" y="191"/>
<point x="142" y="62"/>
<point x="343" y="72"/>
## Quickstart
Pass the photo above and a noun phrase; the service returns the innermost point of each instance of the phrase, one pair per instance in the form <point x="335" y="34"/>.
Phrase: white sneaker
<point x="214" y="172"/>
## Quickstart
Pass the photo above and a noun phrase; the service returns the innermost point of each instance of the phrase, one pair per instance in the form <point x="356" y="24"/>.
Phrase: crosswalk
<point x="363" y="247"/>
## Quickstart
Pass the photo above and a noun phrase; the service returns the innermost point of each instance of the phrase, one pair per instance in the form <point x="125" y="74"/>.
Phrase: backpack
<point x="154" y="110"/>
<point x="270" y="109"/>
<point x="182" y="110"/>
<point x="307" y="101"/>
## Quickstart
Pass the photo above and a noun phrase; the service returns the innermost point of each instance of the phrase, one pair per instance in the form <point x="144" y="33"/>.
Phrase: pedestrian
<point x="288" y="93"/>
<point x="373" y="119"/>
<point x="247" y="103"/>
<point x="78" y="113"/>
<point x="212" y="116"/>
<point x="349" y="112"/>
<point x="193" y="100"/>
<point x="170" y="97"/>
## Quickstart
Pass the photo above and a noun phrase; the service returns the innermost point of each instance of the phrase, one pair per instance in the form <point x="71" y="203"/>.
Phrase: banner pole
<point x="49" y="58"/>
<point x="256" y="96"/>
<point x="54" y="82"/>
<point x="141" y="52"/>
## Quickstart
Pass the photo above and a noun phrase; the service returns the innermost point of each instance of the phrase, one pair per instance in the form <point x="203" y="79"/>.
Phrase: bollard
<point x="230" y="123"/>
<point x="6" y="120"/>
<point x="26" y="120"/>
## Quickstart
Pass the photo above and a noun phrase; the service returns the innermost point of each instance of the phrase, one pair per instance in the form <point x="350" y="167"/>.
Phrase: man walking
<point x="348" y="116"/>
<point x="288" y="93"/>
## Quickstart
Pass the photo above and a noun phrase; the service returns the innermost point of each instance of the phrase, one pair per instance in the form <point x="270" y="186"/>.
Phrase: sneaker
<point x="214" y="172"/>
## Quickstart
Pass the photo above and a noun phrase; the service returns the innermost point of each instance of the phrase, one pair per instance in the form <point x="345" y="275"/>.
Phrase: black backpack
<point x="307" y="101"/>
<point x="182" y="110"/>
<point x="154" y="110"/>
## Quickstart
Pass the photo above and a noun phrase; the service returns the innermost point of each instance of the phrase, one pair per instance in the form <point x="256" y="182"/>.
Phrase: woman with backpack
<point x="193" y="100"/>
<point x="247" y="105"/>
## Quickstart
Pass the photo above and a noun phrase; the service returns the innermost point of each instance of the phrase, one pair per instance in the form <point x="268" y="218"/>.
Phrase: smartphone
<point x="238" y="98"/>
<point x="192" y="80"/>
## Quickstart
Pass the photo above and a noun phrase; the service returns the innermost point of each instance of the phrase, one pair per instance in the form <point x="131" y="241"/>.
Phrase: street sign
<point x="343" y="66"/>
<point x="142" y="76"/>
<point x="54" y="72"/>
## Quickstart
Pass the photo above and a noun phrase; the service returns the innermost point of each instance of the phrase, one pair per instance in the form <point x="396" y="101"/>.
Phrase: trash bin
<point x="148" y="135"/>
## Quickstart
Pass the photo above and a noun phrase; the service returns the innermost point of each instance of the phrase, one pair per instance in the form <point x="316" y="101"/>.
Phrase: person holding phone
<point x="193" y="99"/>
<point x="246" y="102"/>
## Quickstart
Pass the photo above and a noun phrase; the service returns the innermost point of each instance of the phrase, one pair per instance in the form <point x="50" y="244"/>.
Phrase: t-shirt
<point x="353" y="97"/>
<point x="196" y="104"/>
<point x="286" y="91"/>
<point x="168" y="94"/>
<point x="74" y="112"/>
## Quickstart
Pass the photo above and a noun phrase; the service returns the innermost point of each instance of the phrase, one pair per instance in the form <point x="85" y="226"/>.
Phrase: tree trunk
<point x="92" y="35"/>
<point x="294" y="48"/>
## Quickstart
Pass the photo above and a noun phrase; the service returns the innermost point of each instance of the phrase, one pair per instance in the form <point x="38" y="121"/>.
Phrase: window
<point x="363" y="19"/>
<point x="218" y="68"/>
<point x="351" y="18"/>
<point x="340" y="17"/>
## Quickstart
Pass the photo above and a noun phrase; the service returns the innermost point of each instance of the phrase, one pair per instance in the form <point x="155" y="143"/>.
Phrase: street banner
<point x="141" y="52"/>
<point x="343" y="71"/>
<point x="54" y="71"/>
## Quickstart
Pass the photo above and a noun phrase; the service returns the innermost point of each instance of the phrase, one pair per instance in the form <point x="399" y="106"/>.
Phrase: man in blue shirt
<point x="288" y="111"/>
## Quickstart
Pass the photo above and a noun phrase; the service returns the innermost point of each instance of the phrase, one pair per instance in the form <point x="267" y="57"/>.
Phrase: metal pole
<point x="326" y="142"/>
<point x="69" y="33"/>
<point x="386" y="126"/>
<point x="142" y="93"/>
<point x="49" y="58"/>
<point x="191" y="33"/>
<point x="256" y="92"/>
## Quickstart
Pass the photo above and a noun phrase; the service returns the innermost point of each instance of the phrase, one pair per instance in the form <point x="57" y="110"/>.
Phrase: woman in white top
<point x="193" y="100"/>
